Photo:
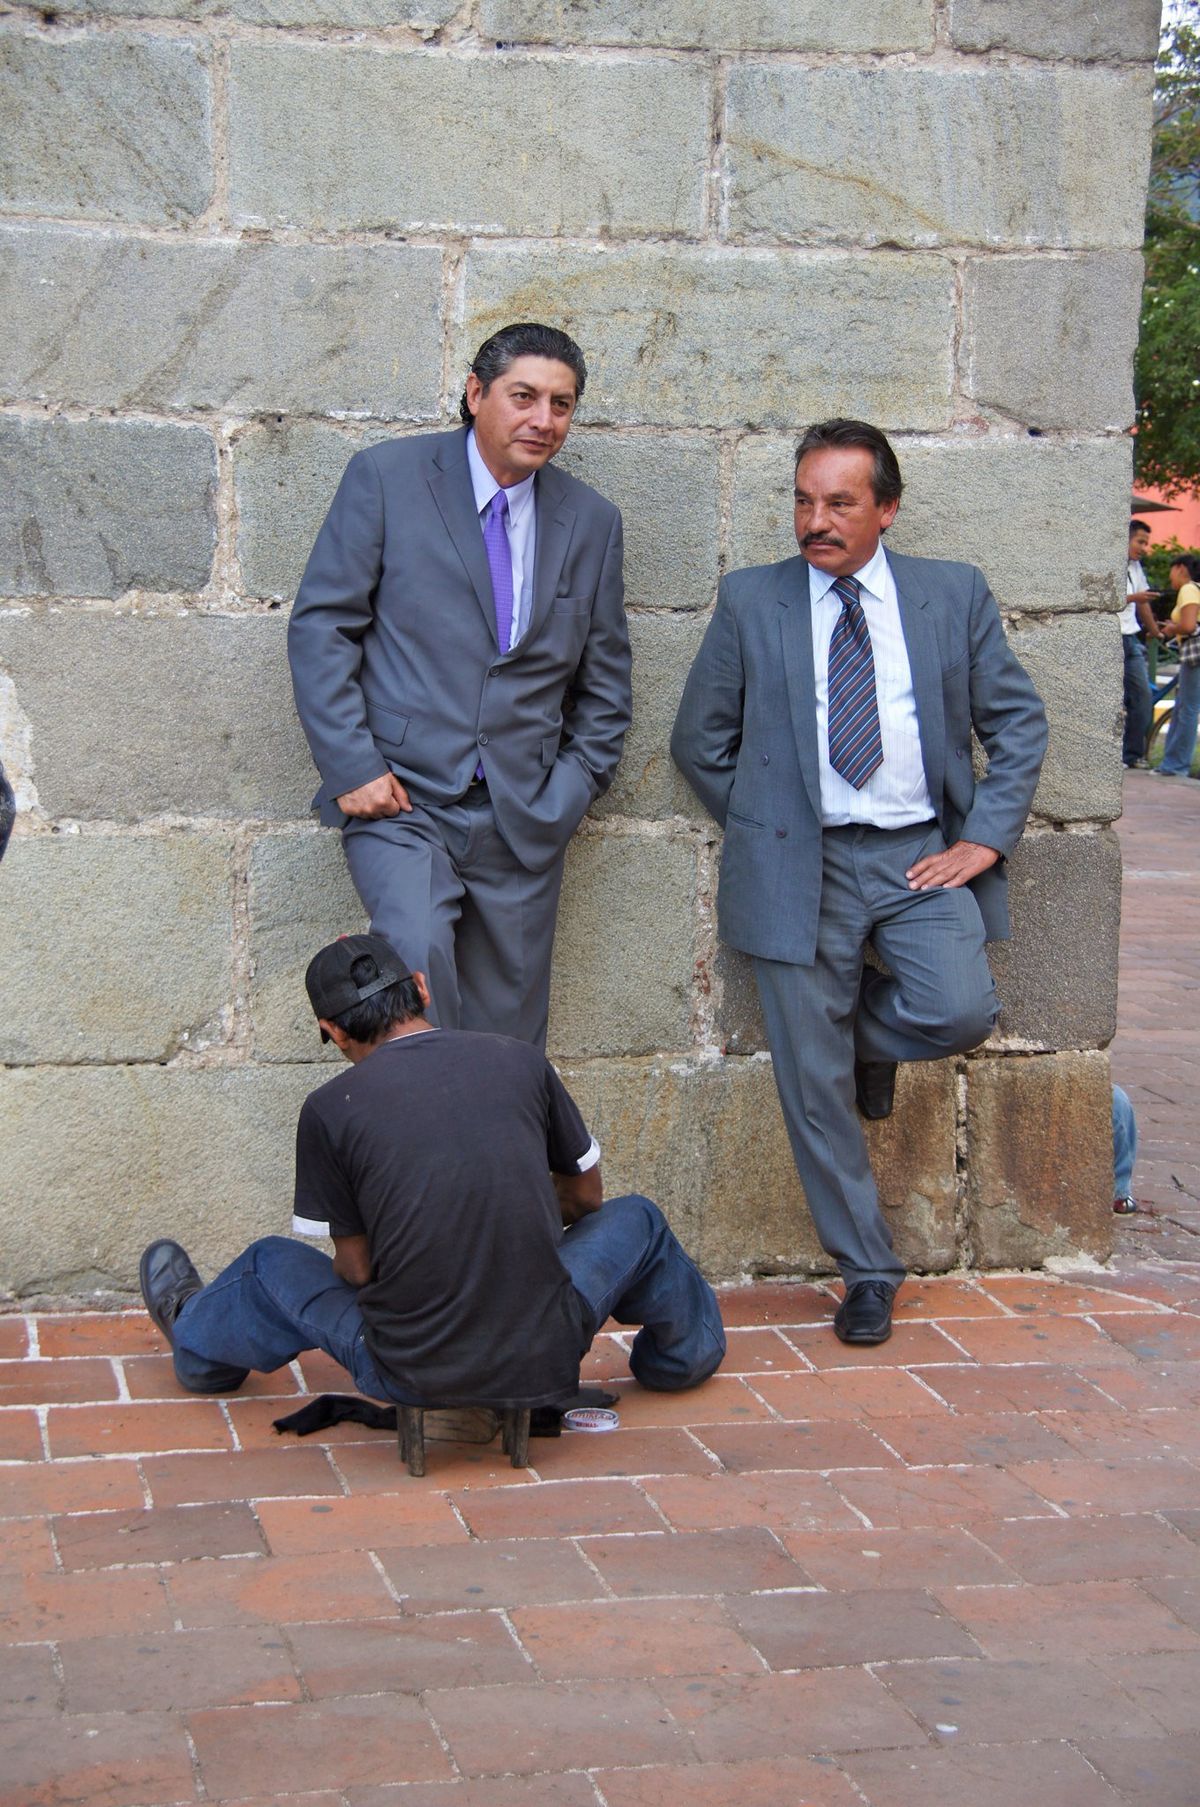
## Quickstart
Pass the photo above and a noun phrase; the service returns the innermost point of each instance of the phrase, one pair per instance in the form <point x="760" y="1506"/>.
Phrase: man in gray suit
<point x="461" y="667"/>
<point x="826" y="725"/>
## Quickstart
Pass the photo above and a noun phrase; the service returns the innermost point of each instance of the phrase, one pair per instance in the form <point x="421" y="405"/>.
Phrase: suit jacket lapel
<point x="450" y="481"/>
<point x="925" y="664"/>
<point x="795" y="629"/>
<point x="555" y="525"/>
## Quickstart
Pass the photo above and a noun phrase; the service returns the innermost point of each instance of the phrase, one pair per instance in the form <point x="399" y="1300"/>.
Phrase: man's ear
<point x="474" y="392"/>
<point x="335" y="1035"/>
<point x="422" y="990"/>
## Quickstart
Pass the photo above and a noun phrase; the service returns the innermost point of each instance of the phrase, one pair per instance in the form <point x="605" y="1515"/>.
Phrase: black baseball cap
<point x="330" y="982"/>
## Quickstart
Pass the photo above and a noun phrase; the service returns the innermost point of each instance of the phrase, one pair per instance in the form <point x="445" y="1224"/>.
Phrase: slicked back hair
<point x="1139" y="526"/>
<point x="526" y="339"/>
<point x="886" y="482"/>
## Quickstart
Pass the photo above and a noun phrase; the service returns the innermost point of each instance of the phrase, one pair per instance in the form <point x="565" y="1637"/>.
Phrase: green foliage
<point x="1158" y="561"/>
<point x="1167" y="366"/>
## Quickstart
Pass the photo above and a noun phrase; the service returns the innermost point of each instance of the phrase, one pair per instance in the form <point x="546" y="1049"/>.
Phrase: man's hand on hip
<point x="384" y="796"/>
<point x="957" y="866"/>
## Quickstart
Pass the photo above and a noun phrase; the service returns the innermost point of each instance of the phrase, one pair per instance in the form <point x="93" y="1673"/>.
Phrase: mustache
<point x="822" y="539"/>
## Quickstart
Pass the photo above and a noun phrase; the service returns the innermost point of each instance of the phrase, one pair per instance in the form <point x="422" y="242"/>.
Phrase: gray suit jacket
<point x="746" y="740"/>
<point x="396" y="664"/>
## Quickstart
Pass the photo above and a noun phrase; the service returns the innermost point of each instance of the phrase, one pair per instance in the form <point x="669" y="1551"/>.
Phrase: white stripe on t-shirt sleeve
<point x="308" y="1226"/>
<point x="590" y="1159"/>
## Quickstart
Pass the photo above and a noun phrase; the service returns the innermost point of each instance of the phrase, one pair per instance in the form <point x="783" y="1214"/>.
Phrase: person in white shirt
<point x="1137" y="614"/>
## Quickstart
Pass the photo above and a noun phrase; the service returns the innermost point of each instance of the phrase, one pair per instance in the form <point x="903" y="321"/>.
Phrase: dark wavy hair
<point x="370" y="1020"/>
<point x="526" y="339"/>
<point x="886" y="482"/>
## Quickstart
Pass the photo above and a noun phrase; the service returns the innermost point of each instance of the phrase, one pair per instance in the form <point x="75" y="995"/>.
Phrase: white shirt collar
<point x="872" y="576"/>
<point x="520" y="495"/>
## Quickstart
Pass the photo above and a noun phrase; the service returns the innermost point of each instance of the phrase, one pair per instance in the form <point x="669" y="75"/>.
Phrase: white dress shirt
<point x="896" y="794"/>
<point x="522" y="532"/>
<point x="1135" y="579"/>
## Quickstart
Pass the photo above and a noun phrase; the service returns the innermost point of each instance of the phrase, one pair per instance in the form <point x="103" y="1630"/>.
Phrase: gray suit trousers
<point x="442" y="886"/>
<point x="939" y="1000"/>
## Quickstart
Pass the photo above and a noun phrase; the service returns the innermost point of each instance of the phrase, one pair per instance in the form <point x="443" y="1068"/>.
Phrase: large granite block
<point x="301" y="898"/>
<point x="507" y="144"/>
<point x="1057" y="977"/>
<point x="695" y="24"/>
<point x="1039" y="1170"/>
<point x="117" y="322"/>
<point x="108" y="1158"/>
<point x="996" y="502"/>
<point x="108" y="126"/>
<point x="1076" y="664"/>
<point x="100" y="507"/>
<point x="141" y="973"/>
<point x="648" y="784"/>
<point x="1085" y="30"/>
<point x="992" y="156"/>
<point x="285" y="473"/>
<point x="692" y="337"/>
<point x="1051" y="339"/>
<point x="187" y="715"/>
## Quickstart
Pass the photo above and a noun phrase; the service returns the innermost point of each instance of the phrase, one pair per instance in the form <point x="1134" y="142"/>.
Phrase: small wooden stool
<point x="410" y="1427"/>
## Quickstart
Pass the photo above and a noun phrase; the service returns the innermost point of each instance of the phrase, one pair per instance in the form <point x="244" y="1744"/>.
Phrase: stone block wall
<point x="240" y="238"/>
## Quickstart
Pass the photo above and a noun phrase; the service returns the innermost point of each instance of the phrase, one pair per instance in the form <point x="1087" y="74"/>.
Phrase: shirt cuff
<point x="590" y="1159"/>
<point x="308" y="1226"/>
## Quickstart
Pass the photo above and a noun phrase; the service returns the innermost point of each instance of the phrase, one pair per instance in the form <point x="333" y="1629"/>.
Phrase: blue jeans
<point x="281" y="1297"/>
<point x="1139" y="704"/>
<point x="1125" y="1138"/>
<point x="1181" y="735"/>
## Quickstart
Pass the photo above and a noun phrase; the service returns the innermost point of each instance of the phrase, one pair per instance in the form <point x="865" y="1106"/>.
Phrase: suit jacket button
<point x="781" y="833"/>
<point x="483" y="740"/>
<point x="766" y="759"/>
<point x="494" y="672"/>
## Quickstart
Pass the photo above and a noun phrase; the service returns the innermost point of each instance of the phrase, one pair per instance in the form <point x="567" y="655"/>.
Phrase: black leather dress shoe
<point x="865" y="1314"/>
<point x="168" y="1281"/>
<point x="875" y="1087"/>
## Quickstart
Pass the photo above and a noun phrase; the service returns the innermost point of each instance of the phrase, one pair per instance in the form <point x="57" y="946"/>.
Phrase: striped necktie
<point x="855" y="745"/>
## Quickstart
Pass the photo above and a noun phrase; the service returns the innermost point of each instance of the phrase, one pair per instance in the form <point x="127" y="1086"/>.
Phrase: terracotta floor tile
<point x="237" y="1590"/>
<point x="304" y="1799"/>
<point x="722" y="1400"/>
<point x="781" y="1302"/>
<point x="407" y="1655"/>
<point x="557" y="1509"/>
<point x="811" y="1712"/>
<point x="1188" y="1522"/>
<point x="153" y="1377"/>
<point x="1044" y="1338"/>
<point x="340" y="1743"/>
<point x="928" y="1558"/>
<point x="282" y="1473"/>
<point x="1131" y="1486"/>
<point x="26" y="1547"/>
<point x="33" y="1488"/>
<point x="793" y="1500"/>
<point x="944" y="1298"/>
<point x="607" y="1360"/>
<point x="14" y="1338"/>
<point x="907" y="1347"/>
<point x="98" y="1540"/>
<point x="1182" y="1595"/>
<point x="1116" y="1436"/>
<point x="1149" y="1772"/>
<point x="871" y="1393"/>
<point x="622" y="1452"/>
<point x="178" y="1671"/>
<point x="28" y="1684"/>
<point x="537" y="1727"/>
<point x="375" y="1467"/>
<point x="370" y="1521"/>
<point x="1092" y="1548"/>
<point x="1164" y="1684"/>
<point x="41" y="1382"/>
<point x="40" y="1607"/>
<point x="1160" y="1384"/>
<point x="98" y="1333"/>
<point x="823" y="1631"/>
<point x="483" y="1575"/>
<point x="1036" y="1294"/>
<point x="1155" y="1338"/>
<point x="994" y="1439"/>
<point x="817" y="1445"/>
<point x="254" y="1415"/>
<point x="106" y="1430"/>
<point x="765" y="1782"/>
<point x="322" y="1374"/>
<point x="562" y="1790"/>
<point x="984" y="1701"/>
<point x="760" y="1352"/>
<point x="1063" y="1619"/>
<point x="620" y="1639"/>
<point x="1039" y="1387"/>
<point x="1025" y="1775"/>
<point x="694" y="1562"/>
<point x="939" y="1496"/>
<point x="20" y="1435"/>
<point x="112" y="1760"/>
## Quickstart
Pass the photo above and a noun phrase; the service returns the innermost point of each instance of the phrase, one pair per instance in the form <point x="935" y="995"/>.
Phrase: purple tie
<point x="855" y="744"/>
<point x="499" y="558"/>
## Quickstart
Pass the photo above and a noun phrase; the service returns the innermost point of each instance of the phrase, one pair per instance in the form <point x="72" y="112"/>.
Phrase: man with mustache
<point x="461" y="667"/>
<point x="826" y="725"/>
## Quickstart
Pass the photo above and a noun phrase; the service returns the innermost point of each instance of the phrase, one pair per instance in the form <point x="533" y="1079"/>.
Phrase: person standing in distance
<point x="826" y="725"/>
<point x="461" y="668"/>
<point x="1137" y="613"/>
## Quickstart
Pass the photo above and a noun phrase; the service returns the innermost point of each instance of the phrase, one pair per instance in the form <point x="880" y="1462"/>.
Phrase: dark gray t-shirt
<point x="438" y="1148"/>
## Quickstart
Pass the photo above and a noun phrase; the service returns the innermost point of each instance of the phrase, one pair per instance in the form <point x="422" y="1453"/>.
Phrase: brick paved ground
<point x="964" y="1568"/>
